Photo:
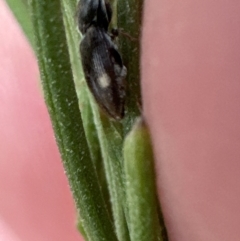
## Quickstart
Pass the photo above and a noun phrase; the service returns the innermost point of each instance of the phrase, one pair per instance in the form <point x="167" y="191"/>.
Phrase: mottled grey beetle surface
<point x="102" y="64"/>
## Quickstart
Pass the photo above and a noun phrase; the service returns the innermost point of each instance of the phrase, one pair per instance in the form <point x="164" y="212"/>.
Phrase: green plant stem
<point x="61" y="99"/>
<point x="130" y="22"/>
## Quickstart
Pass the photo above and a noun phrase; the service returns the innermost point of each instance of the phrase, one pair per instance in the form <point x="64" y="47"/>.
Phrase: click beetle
<point x="102" y="64"/>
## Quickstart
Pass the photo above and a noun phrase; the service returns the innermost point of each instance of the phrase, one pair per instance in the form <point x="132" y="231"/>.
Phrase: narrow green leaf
<point x="140" y="186"/>
<point x="61" y="98"/>
<point x="21" y="13"/>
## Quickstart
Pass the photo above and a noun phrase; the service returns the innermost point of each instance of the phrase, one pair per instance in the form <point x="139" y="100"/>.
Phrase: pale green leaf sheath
<point x="140" y="186"/>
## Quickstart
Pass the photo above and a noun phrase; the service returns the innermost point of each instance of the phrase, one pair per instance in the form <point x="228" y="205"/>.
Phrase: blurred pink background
<point x="191" y="96"/>
<point x="35" y="201"/>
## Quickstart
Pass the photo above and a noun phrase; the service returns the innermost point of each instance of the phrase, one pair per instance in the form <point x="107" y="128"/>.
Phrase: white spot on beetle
<point x="104" y="80"/>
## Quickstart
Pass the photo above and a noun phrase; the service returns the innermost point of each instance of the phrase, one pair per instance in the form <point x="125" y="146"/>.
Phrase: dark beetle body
<point x="102" y="64"/>
<point x="104" y="71"/>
